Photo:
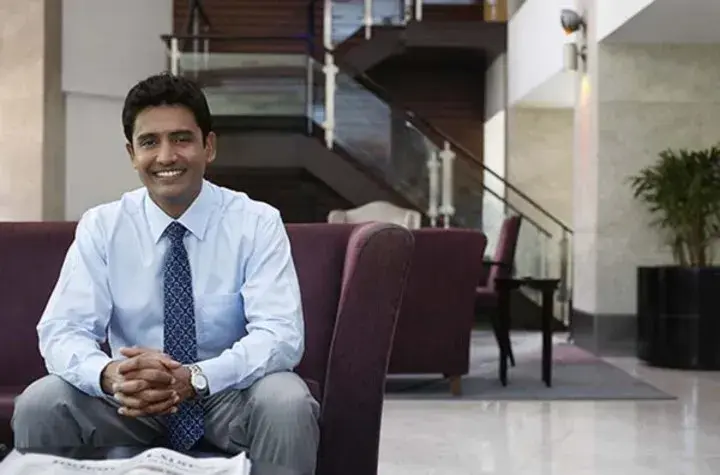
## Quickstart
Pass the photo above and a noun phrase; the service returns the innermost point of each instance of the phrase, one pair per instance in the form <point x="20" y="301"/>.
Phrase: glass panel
<point x="240" y="83"/>
<point x="382" y="140"/>
<point x="556" y="261"/>
<point x="480" y="207"/>
<point x="347" y="16"/>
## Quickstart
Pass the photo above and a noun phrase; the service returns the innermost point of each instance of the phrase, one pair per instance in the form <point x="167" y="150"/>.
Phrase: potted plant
<point x="678" y="306"/>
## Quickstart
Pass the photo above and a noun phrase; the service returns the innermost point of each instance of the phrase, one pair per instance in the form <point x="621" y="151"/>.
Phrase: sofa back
<point x="31" y="255"/>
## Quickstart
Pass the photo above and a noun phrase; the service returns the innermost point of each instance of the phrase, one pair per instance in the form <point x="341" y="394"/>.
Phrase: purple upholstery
<point x="436" y="317"/>
<point x="351" y="278"/>
<point x="502" y="264"/>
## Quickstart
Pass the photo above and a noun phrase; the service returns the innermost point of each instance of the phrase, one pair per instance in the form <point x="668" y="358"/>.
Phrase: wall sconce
<point x="575" y="53"/>
<point x="574" y="57"/>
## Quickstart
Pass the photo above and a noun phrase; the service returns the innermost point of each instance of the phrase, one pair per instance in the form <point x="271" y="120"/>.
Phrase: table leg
<point x="547" y="315"/>
<point x="503" y="330"/>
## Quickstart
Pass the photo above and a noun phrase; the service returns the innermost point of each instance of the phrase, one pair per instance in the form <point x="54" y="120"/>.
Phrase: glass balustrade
<point x="238" y="81"/>
<point x="358" y="17"/>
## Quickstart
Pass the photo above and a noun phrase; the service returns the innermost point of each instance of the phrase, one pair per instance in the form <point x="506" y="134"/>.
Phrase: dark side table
<point x="547" y="288"/>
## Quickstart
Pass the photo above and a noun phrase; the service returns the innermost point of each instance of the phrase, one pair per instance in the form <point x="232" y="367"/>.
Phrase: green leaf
<point x="682" y="193"/>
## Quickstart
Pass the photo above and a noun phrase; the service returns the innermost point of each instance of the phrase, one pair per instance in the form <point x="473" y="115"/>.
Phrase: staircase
<point x="352" y="116"/>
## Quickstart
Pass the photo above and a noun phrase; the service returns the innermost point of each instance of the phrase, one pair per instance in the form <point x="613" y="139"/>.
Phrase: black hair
<point x="166" y="89"/>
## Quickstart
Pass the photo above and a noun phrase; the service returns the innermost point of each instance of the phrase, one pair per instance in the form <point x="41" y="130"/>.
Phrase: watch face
<point x="199" y="382"/>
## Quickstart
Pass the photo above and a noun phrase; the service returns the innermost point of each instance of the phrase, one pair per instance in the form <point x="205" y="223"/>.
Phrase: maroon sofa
<point x="437" y="313"/>
<point x="351" y="278"/>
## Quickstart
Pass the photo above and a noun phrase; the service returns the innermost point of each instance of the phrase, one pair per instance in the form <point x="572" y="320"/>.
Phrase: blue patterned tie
<point x="185" y="427"/>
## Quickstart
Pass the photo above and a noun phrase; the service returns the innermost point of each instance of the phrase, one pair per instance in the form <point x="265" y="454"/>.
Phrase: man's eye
<point x="147" y="142"/>
<point x="183" y="139"/>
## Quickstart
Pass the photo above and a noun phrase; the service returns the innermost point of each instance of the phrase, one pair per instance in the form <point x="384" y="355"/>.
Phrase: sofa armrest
<point x="488" y="264"/>
<point x="376" y="269"/>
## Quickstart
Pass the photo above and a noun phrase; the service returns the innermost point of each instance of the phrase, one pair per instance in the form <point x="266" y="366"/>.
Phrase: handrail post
<point x="447" y="209"/>
<point x="310" y="93"/>
<point x="407" y="11"/>
<point x="174" y="57"/>
<point x="330" y="70"/>
<point x="206" y="54"/>
<point x="418" y="10"/>
<point x="368" y="19"/>
<point x="563" y="289"/>
<point x="433" y="165"/>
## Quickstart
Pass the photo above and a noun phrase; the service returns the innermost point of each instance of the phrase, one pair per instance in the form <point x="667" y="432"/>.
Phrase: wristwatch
<point x="198" y="381"/>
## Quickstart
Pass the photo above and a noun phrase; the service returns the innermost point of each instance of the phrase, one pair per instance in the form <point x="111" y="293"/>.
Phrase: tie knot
<point x="175" y="232"/>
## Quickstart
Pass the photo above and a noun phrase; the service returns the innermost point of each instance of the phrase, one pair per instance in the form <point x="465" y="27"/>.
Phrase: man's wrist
<point x="108" y="378"/>
<point x="186" y="389"/>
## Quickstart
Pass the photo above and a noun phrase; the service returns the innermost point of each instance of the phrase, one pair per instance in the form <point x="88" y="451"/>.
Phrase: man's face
<point x="168" y="153"/>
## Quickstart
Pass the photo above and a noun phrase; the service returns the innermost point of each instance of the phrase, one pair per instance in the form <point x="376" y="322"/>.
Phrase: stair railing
<point x="442" y="189"/>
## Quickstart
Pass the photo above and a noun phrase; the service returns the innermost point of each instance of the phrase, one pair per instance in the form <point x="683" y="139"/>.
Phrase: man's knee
<point x="44" y="399"/>
<point x="284" y="398"/>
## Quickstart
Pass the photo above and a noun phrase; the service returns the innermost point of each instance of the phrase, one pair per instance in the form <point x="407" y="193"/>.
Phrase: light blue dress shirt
<point x="248" y="311"/>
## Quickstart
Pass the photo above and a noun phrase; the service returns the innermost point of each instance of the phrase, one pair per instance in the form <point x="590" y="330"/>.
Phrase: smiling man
<point x="195" y="289"/>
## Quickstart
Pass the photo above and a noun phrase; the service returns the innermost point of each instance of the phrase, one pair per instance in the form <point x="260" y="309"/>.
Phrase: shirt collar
<point x="195" y="218"/>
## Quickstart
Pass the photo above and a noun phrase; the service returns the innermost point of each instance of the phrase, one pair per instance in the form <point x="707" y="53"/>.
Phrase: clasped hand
<point x="147" y="383"/>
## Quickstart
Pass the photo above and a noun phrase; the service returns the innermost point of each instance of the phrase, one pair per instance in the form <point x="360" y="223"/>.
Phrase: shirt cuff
<point x="90" y="374"/>
<point x="219" y="371"/>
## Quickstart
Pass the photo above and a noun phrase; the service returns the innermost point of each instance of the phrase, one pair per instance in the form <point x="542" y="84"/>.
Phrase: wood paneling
<point x="257" y="19"/>
<point x="445" y="88"/>
<point x="435" y="84"/>
<point x="300" y="196"/>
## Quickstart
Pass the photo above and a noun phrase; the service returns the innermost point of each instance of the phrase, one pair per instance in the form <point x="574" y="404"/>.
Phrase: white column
<point x="433" y="165"/>
<point x="447" y="209"/>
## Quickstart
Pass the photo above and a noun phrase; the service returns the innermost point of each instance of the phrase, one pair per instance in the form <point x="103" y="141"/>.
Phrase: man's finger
<point x="160" y="408"/>
<point x="136" y="351"/>
<point x="131" y="386"/>
<point x="145" y="399"/>
<point x="154" y="377"/>
<point x="147" y="360"/>
<point x="131" y="402"/>
<point x="137" y="363"/>
<point x="170" y="363"/>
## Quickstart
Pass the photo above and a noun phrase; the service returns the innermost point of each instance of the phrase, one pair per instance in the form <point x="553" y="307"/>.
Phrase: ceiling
<point x="672" y="21"/>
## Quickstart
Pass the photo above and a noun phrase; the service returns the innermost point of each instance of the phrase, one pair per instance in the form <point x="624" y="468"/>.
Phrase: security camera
<point x="571" y="21"/>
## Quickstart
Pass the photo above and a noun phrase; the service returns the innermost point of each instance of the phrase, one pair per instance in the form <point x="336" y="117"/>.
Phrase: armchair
<point x="379" y="211"/>
<point x="486" y="295"/>
<point x="436" y="316"/>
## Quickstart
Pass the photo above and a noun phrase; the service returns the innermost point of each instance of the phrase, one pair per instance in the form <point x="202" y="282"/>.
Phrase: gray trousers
<point x="275" y="421"/>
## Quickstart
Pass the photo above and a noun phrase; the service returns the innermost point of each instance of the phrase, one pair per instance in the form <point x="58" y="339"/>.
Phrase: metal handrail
<point x="426" y="126"/>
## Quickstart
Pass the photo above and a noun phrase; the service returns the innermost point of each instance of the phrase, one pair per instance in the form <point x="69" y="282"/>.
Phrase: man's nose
<point x="166" y="155"/>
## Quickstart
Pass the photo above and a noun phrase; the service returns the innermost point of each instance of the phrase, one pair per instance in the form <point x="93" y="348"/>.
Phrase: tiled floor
<point x="679" y="437"/>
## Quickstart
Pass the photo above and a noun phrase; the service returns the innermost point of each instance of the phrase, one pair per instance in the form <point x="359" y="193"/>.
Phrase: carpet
<point x="577" y="375"/>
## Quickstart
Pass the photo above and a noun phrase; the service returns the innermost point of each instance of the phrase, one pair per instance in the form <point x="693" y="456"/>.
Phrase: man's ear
<point x="210" y="147"/>
<point x="131" y="153"/>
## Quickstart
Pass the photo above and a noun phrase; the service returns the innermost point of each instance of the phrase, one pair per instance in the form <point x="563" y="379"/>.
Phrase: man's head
<point x="167" y="125"/>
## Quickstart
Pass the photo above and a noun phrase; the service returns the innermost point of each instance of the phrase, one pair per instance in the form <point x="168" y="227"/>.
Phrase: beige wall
<point x="31" y="111"/>
<point x="649" y="98"/>
<point x="540" y="148"/>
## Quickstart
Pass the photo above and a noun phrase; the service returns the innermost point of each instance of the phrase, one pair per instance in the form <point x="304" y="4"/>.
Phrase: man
<point x="195" y="288"/>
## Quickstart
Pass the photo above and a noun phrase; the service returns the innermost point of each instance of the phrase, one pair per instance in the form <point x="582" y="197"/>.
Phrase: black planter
<point x="678" y="310"/>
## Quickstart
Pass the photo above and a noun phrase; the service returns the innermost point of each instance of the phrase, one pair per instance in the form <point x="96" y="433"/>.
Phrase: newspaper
<point x="151" y="462"/>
